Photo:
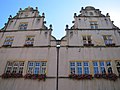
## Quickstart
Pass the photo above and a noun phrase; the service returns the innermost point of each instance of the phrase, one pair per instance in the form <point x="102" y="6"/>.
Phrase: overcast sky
<point x="59" y="12"/>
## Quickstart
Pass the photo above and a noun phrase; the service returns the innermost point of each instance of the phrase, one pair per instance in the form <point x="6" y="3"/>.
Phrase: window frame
<point x="94" y="24"/>
<point x="29" y="41"/>
<point x="81" y="66"/>
<point x="8" y="41"/>
<point x="34" y="66"/>
<point x="102" y="66"/>
<point x="118" y="66"/>
<point x="87" y="40"/>
<point x="14" y="66"/>
<point x="23" y="26"/>
<point x="108" y="40"/>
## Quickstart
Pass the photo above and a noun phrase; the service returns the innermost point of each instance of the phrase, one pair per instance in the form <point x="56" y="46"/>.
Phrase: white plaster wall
<point x="41" y="39"/>
<point x="32" y="23"/>
<point x="29" y="54"/>
<point x="96" y="35"/>
<point x="26" y="84"/>
<point x="95" y="84"/>
<point x="84" y="22"/>
<point x="85" y="54"/>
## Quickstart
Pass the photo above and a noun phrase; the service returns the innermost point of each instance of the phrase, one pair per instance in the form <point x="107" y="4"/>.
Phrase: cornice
<point x="27" y="30"/>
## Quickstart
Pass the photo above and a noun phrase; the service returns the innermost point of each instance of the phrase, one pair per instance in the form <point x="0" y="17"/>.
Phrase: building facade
<point x="86" y="58"/>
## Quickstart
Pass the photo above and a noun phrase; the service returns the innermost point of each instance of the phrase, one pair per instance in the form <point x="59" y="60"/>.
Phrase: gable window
<point x="91" y="13"/>
<point x="79" y="68"/>
<point x="93" y="25"/>
<point x="108" y="40"/>
<point x="118" y="66"/>
<point x="8" y="41"/>
<point x="23" y="26"/>
<point x="37" y="67"/>
<point x="87" y="41"/>
<point x="29" y="41"/>
<point x="14" y="67"/>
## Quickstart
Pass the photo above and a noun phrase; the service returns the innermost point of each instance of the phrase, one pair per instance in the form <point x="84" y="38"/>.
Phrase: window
<point x="23" y="26"/>
<point x="87" y="41"/>
<point x="93" y="25"/>
<point x="91" y="13"/>
<point x="108" y="40"/>
<point x="102" y="67"/>
<point x="14" y="67"/>
<point x="36" y="67"/>
<point x="96" y="69"/>
<point x="29" y="41"/>
<point x="118" y="66"/>
<point x="79" y="68"/>
<point x="86" y="67"/>
<point x="8" y="41"/>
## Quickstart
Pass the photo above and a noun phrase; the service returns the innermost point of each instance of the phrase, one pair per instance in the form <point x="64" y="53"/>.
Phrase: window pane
<point x="95" y="63"/>
<point x="23" y="26"/>
<point x="84" y="37"/>
<point x="43" y="63"/>
<point x="36" y="70"/>
<point x="37" y="64"/>
<point x="8" y="69"/>
<point x="72" y="63"/>
<point x="109" y="70"/>
<point x="72" y="70"/>
<point x="79" y="64"/>
<point x="20" y="70"/>
<point x="101" y="63"/>
<point x="96" y="71"/>
<point x="14" y="70"/>
<point x="86" y="70"/>
<point x="30" y="64"/>
<point x="43" y="71"/>
<point x="103" y="70"/>
<point x="79" y="69"/>
<point x="108" y="63"/>
<point x="85" y="63"/>
<point x="30" y="70"/>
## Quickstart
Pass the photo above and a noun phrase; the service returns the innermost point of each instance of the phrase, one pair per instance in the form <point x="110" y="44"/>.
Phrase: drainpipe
<point x="57" y="47"/>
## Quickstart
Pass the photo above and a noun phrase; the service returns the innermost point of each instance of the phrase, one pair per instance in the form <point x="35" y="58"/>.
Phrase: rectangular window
<point x="86" y="67"/>
<point x="93" y="25"/>
<point x="29" y="40"/>
<point x="96" y="69"/>
<point x="8" y="41"/>
<point x="79" y="68"/>
<point x="87" y="41"/>
<point x="118" y="66"/>
<point x="36" y="67"/>
<point x="102" y="67"/>
<point x="108" y="40"/>
<point x="14" y="67"/>
<point x="109" y="67"/>
<point x="23" y="26"/>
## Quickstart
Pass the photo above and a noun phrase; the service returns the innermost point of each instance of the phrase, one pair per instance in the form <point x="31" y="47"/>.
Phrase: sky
<point x="59" y="12"/>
